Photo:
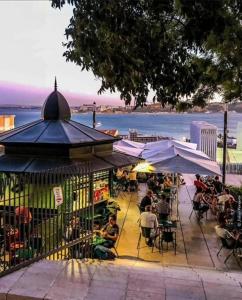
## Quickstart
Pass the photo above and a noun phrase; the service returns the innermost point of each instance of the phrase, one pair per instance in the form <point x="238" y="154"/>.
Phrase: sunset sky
<point x="31" y="34"/>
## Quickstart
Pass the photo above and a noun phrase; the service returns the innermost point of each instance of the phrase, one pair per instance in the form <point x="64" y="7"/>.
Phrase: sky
<point x="31" y="37"/>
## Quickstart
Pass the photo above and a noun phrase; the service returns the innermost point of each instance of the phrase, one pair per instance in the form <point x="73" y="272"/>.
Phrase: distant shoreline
<point x="75" y="112"/>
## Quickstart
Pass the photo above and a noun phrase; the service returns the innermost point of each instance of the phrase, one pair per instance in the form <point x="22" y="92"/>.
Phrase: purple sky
<point x="32" y="33"/>
<point x="18" y="94"/>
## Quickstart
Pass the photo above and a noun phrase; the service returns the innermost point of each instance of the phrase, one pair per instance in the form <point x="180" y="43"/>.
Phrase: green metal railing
<point x="45" y="215"/>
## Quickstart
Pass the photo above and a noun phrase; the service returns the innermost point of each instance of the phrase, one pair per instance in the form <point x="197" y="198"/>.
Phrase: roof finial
<point x="55" y="84"/>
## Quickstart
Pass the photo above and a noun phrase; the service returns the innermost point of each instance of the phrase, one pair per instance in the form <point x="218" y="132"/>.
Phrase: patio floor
<point x="197" y="243"/>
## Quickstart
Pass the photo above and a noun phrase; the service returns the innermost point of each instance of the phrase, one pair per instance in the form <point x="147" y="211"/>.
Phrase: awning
<point x="119" y="159"/>
<point x="24" y="164"/>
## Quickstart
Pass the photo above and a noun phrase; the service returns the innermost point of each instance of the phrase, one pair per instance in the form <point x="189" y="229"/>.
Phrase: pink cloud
<point x="18" y="94"/>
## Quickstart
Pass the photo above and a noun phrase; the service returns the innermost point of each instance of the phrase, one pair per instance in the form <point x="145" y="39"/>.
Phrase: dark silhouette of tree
<point x="183" y="50"/>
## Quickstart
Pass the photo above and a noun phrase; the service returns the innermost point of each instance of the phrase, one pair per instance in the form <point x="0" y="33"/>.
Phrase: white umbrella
<point x="186" y="165"/>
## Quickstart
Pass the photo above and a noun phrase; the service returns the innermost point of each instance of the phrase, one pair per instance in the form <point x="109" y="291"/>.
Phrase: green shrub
<point x="235" y="191"/>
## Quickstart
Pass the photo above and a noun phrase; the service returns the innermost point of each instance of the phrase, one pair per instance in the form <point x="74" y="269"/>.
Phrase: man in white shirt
<point x="149" y="220"/>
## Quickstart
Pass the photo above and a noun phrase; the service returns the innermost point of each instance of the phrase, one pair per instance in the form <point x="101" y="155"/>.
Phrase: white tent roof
<point x="164" y="144"/>
<point x="128" y="143"/>
<point x="158" y="154"/>
<point x="128" y="150"/>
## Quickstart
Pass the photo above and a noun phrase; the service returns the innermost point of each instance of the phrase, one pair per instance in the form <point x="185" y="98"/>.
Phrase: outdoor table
<point x="165" y="226"/>
<point x="168" y="224"/>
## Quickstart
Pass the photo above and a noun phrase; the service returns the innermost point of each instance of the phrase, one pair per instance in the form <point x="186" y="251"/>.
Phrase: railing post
<point x="225" y="142"/>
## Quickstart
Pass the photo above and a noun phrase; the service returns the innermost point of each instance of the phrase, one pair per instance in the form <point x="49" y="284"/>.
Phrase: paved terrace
<point x="194" y="273"/>
<point x="118" y="280"/>
<point x="197" y="243"/>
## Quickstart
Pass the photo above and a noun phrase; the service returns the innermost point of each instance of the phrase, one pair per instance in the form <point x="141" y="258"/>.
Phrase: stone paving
<point x="121" y="279"/>
<point x="194" y="273"/>
<point x="197" y="243"/>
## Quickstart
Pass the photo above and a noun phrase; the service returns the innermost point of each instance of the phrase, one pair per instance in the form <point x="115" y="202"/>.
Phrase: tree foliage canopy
<point x="180" y="49"/>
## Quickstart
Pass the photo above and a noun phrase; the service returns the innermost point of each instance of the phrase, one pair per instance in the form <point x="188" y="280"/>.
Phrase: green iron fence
<point x="45" y="215"/>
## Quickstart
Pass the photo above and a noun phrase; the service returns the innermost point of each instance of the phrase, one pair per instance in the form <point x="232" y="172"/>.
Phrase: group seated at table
<point x="230" y="232"/>
<point x="153" y="227"/>
<point x="211" y="194"/>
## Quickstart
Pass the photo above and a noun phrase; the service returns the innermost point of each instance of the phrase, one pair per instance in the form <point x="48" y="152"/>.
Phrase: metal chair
<point x="145" y="233"/>
<point x="167" y="235"/>
<point x="234" y="246"/>
<point x="115" y="250"/>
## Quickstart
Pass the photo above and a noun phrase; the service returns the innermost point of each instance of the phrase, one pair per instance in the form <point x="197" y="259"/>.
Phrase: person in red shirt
<point x="199" y="184"/>
<point x="24" y="218"/>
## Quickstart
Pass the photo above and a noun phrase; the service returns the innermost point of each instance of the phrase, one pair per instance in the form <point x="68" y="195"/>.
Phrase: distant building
<point x="239" y="136"/>
<point x="86" y="107"/>
<point x="231" y="142"/>
<point x="205" y="136"/>
<point x="136" y="137"/>
<point x="6" y="122"/>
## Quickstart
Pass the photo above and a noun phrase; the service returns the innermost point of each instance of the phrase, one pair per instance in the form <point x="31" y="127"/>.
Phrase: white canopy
<point x="128" y="150"/>
<point x="131" y="144"/>
<point x="170" y="156"/>
<point x="158" y="154"/>
<point x="164" y="144"/>
<point x="129" y="147"/>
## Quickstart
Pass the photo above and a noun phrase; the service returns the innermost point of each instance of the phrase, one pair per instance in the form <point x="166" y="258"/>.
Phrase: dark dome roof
<point x="56" y="107"/>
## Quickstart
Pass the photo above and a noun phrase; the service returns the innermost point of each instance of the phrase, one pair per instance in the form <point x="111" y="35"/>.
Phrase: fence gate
<point x="45" y="215"/>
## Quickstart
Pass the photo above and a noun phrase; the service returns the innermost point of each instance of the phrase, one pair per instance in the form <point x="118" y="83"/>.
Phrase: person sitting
<point x="110" y="232"/>
<point x="133" y="179"/>
<point x="73" y="232"/>
<point x="149" y="220"/>
<point x="181" y="179"/>
<point x="224" y="197"/>
<point x="221" y="231"/>
<point x="125" y="180"/>
<point x="218" y="186"/>
<point x="163" y="208"/>
<point x="147" y="200"/>
<point x="160" y="178"/>
<point x="167" y="182"/>
<point x="23" y="218"/>
<point x="119" y="173"/>
<point x="199" y="203"/>
<point x="151" y="183"/>
<point x="199" y="183"/>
